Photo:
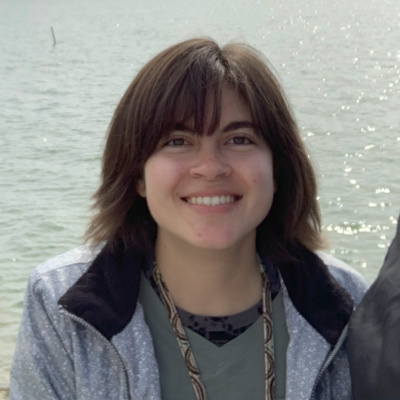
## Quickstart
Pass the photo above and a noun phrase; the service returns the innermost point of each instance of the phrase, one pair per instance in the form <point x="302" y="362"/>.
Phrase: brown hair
<point x="170" y="89"/>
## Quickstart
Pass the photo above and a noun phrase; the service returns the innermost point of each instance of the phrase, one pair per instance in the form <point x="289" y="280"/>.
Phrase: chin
<point x="215" y="244"/>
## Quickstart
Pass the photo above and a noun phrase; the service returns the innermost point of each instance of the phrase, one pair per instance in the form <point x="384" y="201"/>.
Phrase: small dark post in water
<point x="54" y="36"/>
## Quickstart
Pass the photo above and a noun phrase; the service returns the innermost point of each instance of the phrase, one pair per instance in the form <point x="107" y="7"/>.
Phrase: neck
<point x="210" y="282"/>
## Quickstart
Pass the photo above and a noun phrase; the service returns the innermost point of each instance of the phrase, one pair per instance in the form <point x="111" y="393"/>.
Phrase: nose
<point x="210" y="163"/>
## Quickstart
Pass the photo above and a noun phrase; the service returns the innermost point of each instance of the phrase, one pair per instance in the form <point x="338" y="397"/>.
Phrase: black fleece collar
<point x="107" y="293"/>
<point x="315" y="293"/>
<point x="105" y="296"/>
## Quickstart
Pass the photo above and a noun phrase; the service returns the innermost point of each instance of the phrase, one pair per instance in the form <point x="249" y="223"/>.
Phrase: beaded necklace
<point x="186" y="350"/>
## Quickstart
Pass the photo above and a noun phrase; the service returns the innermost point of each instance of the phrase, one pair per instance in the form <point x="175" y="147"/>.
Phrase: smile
<point x="213" y="201"/>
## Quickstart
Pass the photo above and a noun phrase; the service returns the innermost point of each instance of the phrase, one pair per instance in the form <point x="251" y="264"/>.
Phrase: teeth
<point x="211" y="201"/>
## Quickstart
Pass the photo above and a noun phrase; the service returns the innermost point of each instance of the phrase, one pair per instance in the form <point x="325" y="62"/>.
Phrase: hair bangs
<point x="195" y="103"/>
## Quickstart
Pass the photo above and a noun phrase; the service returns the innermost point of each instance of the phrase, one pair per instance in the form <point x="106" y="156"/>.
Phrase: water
<point x="339" y="62"/>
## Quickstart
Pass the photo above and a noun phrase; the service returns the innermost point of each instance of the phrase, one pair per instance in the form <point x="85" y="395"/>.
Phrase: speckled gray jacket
<point x="83" y="335"/>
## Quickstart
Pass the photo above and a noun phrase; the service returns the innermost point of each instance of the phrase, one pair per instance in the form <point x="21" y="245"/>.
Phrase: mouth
<point x="212" y="201"/>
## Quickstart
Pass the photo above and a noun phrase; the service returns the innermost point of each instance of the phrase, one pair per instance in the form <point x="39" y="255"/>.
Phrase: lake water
<point x="338" y="60"/>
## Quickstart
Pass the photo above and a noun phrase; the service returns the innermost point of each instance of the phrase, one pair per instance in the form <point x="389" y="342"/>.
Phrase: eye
<point x="240" y="140"/>
<point x="175" y="142"/>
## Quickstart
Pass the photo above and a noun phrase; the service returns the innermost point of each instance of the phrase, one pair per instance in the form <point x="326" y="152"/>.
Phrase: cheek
<point x="263" y="183"/>
<point x="263" y="173"/>
<point x="161" y="178"/>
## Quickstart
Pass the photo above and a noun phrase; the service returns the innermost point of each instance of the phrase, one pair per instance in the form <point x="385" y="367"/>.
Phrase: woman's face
<point x="211" y="192"/>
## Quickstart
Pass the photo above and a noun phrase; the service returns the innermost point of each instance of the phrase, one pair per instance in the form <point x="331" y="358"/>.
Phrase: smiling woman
<point x="203" y="279"/>
<point x="188" y="174"/>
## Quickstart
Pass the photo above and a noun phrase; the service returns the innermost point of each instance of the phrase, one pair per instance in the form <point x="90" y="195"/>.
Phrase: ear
<point x="141" y="187"/>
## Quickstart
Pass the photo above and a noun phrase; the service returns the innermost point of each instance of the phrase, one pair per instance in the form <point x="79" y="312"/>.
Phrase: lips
<point x="212" y="201"/>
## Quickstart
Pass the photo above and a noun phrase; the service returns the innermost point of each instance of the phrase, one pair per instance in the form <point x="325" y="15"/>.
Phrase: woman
<point x="203" y="282"/>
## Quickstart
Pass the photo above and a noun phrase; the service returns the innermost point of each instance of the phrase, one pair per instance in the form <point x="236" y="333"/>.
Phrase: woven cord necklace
<point x="186" y="350"/>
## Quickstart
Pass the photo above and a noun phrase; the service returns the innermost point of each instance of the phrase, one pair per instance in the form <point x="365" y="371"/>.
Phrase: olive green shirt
<point x="234" y="371"/>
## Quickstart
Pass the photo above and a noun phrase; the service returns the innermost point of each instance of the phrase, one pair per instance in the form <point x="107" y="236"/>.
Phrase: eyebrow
<point x="182" y="127"/>
<point x="238" y="125"/>
<point x="230" y="127"/>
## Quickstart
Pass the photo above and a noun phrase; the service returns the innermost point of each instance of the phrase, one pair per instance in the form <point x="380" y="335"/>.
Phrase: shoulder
<point x="78" y="255"/>
<point x="58" y="274"/>
<point x="347" y="277"/>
